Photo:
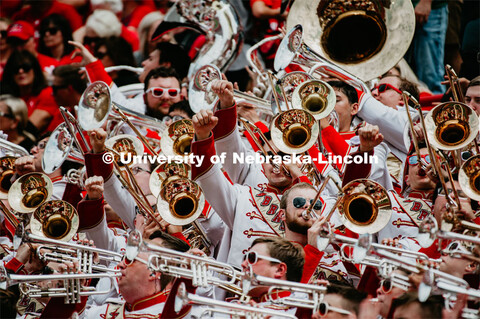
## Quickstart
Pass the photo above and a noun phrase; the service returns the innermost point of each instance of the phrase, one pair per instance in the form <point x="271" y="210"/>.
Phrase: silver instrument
<point x="9" y="148"/>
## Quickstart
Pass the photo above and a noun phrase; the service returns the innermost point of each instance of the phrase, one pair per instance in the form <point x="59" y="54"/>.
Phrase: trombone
<point x="201" y="270"/>
<point x="72" y="289"/>
<point x="235" y="310"/>
<point x="428" y="232"/>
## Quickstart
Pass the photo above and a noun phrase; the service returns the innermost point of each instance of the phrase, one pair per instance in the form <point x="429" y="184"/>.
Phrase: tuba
<point x="365" y="38"/>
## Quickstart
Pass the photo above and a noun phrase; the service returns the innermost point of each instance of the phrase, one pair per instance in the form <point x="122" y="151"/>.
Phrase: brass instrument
<point x="469" y="177"/>
<point x="176" y="140"/>
<point x="200" y="91"/>
<point x="7" y="170"/>
<point x="29" y="192"/>
<point x="316" y="97"/>
<point x="11" y="149"/>
<point x="365" y="38"/>
<point x="284" y="88"/>
<point x="203" y="271"/>
<point x="52" y="250"/>
<point x="125" y="147"/>
<point x="234" y="310"/>
<point x="364" y="206"/>
<point x="428" y="231"/>
<point x="56" y="219"/>
<point x="217" y="20"/>
<point x="163" y="171"/>
<point x="72" y="289"/>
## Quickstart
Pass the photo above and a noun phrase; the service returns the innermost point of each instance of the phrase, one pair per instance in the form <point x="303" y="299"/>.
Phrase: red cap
<point x="21" y="29"/>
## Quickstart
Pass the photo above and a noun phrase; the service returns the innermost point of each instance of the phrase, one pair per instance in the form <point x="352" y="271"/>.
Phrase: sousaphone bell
<point x="29" y="192"/>
<point x="365" y="206"/>
<point x="94" y="106"/>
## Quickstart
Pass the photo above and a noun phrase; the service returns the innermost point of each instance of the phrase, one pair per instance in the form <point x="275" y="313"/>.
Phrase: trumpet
<point x="201" y="270"/>
<point x="60" y="252"/>
<point x="235" y="310"/>
<point x="72" y="289"/>
<point x="315" y="292"/>
<point x="200" y="91"/>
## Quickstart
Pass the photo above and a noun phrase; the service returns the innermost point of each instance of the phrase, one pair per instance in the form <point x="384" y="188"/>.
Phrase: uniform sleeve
<point x="312" y="258"/>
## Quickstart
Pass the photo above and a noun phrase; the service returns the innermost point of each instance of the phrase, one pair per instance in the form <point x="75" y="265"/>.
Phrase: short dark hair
<point x="431" y="308"/>
<point x="69" y="75"/>
<point x="176" y="56"/>
<point x="184" y="106"/>
<point x="474" y="82"/>
<point x="118" y="49"/>
<point x="287" y="252"/>
<point x="16" y="59"/>
<point x="284" y="199"/>
<point x="161" y="72"/>
<point x="406" y="85"/>
<point x="346" y="89"/>
<point x="351" y="297"/>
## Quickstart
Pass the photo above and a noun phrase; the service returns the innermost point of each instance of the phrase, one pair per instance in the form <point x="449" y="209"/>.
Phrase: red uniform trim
<point x="90" y="212"/>
<point x="206" y="148"/>
<point x="96" y="72"/>
<point x="15" y="265"/>
<point x="96" y="166"/>
<point x="228" y="119"/>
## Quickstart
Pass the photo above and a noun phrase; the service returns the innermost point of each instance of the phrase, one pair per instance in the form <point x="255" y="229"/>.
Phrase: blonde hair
<point x="18" y="108"/>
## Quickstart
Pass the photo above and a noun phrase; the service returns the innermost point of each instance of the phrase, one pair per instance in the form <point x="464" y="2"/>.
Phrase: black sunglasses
<point x="26" y="67"/>
<point x="55" y="88"/>
<point x="101" y="55"/>
<point x="300" y="202"/>
<point x="7" y="115"/>
<point x="51" y="31"/>
<point x="90" y="40"/>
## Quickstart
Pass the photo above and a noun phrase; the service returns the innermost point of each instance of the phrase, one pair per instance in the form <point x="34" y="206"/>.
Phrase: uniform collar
<point x="427" y="195"/>
<point x="149" y="301"/>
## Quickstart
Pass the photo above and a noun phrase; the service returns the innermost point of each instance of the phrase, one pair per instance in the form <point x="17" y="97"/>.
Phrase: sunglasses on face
<point x="455" y="250"/>
<point x="413" y="159"/>
<point x="386" y="285"/>
<point x="7" y="115"/>
<point x="25" y="67"/>
<point x="300" y="202"/>
<point x="173" y="119"/>
<point x="51" y="31"/>
<point x="101" y="55"/>
<point x="384" y="87"/>
<point x="90" y="40"/>
<point x="55" y="88"/>
<point x="159" y="92"/>
<point x="252" y="258"/>
<point x="460" y="193"/>
<point x="324" y="308"/>
<point x="129" y="262"/>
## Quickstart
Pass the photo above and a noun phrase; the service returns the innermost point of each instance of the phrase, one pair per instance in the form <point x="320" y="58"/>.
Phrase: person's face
<point x="52" y="36"/>
<point x="345" y="110"/>
<point x="142" y="176"/>
<point x="103" y="56"/>
<point x="385" y="299"/>
<point x="441" y="204"/>
<point x="175" y="115"/>
<point x="276" y="177"/>
<point x="336" y="300"/>
<point x="417" y="178"/>
<point x="37" y="152"/>
<point x="24" y="75"/>
<point x="262" y="267"/>
<point x="159" y="106"/>
<point x="135" y="278"/>
<point x="3" y="36"/>
<point x="7" y="120"/>
<point x="62" y="93"/>
<point x="389" y="97"/>
<point x="149" y="64"/>
<point x="412" y="310"/>
<point x="472" y="98"/>
<point x="293" y="216"/>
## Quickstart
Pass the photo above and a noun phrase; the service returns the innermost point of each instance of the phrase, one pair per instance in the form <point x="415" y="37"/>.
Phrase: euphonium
<point x="29" y="192"/>
<point x="365" y="38"/>
<point x="55" y="219"/>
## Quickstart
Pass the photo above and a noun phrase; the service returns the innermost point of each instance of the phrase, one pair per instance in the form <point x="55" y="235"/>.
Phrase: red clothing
<point x="68" y="60"/>
<point x="32" y="15"/>
<point x="131" y="37"/>
<point x="133" y="20"/>
<point x="47" y="63"/>
<point x="43" y="101"/>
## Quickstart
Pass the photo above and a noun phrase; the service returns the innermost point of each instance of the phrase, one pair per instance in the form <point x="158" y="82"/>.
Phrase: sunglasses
<point x="324" y="308"/>
<point x="252" y="258"/>
<point x="25" y="67"/>
<point x="3" y="33"/>
<point x="460" y="193"/>
<point x="159" y="92"/>
<point x="129" y="262"/>
<point x="55" y="88"/>
<point x="101" y="55"/>
<point x="173" y="119"/>
<point x="386" y="285"/>
<point x="300" y="202"/>
<point x="384" y="87"/>
<point x="455" y="250"/>
<point x="51" y="31"/>
<point x="7" y="115"/>
<point x="90" y="40"/>
<point x="413" y="159"/>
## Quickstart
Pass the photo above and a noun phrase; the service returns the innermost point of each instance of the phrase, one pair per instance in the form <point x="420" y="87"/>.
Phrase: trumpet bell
<point x="181" y="201"/>
<point x="161" y="173"/>
<point x="365" y="207"/>
<point x="55" y="219"/>
<point x="451" y="126"/>
<point x="177" y="138"/>
<point x="7" y="170"/>
<point x="469" y="177"/>
<point x="94" y="106"/>
<point x="294" y="131"/>
<point x="125" y="147"/>
<point x="316" y="97"/>
<point x="365" y="38"/>
<point x="29" y="192"/>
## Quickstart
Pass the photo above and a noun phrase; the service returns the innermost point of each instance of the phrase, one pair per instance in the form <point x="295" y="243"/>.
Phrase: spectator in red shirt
<point x="23" y="78"/>
<point x="55" y="33"/>
<point x="20" y="36"/>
